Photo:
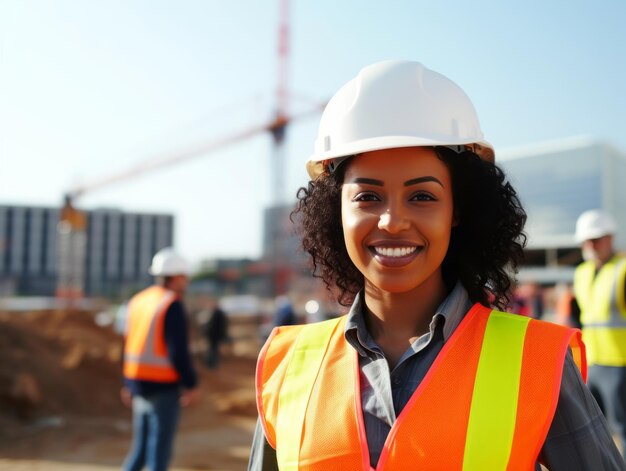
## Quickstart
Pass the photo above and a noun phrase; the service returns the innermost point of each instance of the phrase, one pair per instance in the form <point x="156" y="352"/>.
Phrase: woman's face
<point x="397" y="215"/>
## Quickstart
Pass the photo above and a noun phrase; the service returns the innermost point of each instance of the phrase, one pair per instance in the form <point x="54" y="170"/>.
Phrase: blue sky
<point x="89" y="88"/>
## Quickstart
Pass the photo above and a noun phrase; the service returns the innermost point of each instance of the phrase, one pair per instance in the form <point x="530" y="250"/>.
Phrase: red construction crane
<point x="72" y="225"/>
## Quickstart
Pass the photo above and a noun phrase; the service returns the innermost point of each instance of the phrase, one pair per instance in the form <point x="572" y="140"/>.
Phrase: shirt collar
<point x="450" y="313"/>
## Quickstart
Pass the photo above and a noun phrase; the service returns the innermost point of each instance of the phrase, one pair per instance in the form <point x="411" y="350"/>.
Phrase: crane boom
<point x="198" y="150"/>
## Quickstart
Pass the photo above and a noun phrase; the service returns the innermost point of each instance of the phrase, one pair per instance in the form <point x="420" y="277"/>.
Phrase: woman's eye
<point x="365" y="197"/>
<point x="421" y="196"/>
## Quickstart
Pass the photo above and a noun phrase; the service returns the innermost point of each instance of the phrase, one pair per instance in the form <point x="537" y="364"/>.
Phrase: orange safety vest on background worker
<point x="486" y="403"/>
<point x="603" y="310"/>
<point x="145" y="351"/>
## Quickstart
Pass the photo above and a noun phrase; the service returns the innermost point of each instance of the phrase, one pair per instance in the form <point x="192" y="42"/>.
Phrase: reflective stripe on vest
<point x="486" y="403"/>
<point x="496" y="388"/>
<point x="145" y="352"/>
<point x="603" y="310"/>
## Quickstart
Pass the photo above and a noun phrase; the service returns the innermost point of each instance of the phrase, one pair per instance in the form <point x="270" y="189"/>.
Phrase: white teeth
<point x="394" y="251"/>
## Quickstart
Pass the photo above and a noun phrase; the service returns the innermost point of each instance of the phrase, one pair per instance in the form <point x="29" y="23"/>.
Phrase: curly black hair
<point x="485" y="248"/>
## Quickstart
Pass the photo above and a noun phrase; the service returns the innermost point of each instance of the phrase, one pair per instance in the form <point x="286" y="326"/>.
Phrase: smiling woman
<point x="408" y="220"/>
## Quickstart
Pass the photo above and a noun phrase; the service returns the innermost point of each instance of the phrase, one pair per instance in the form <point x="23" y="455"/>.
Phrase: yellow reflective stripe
<point x="494" y="402"/>
<point x="304" y="365"/>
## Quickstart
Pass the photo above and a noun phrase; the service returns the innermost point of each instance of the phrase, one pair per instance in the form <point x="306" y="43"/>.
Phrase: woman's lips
<point x="395" y="256"/>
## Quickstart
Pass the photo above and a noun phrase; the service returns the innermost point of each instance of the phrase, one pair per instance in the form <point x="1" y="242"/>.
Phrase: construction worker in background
<point x="159" y="375"/>
<point x="283" y="314"/>
<point x="600" y="294"/>
<point x="410" y="222"/>
<point x="216" y="333"/>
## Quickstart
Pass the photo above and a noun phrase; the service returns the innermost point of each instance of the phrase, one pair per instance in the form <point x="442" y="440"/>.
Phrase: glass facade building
<point x="556" y="182"/>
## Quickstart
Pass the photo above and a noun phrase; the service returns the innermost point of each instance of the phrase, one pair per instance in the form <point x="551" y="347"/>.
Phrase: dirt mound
<point x="60" y="406"/>
<point x="57" y="363"/>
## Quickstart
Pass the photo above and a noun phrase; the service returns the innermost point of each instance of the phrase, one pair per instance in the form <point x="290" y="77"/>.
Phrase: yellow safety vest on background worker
<point x="145" y="351"/>
<point x="486" y="403"/>
<point x="603" y="310"/>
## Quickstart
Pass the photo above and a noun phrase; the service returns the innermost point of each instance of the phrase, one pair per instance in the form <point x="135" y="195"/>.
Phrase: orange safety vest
<point x="486" y="403"/>
<point x="145" y="351"/>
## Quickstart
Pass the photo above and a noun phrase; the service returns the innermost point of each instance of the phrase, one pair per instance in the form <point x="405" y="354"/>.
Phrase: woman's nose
<point x="393" y="220"/>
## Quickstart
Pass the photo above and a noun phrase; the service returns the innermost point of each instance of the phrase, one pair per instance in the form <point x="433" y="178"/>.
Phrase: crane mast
<point x="276" y="215"/>
<point x="279" y="129"/>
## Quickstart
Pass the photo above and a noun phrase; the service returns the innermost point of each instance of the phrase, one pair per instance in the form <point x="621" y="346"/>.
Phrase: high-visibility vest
<point x="603" y="310"/>
<point x="486" y="403"/>
<point x="145" y="351"/>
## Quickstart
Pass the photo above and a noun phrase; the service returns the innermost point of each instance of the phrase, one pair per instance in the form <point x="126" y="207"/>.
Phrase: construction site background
<point x="59" y="393"/>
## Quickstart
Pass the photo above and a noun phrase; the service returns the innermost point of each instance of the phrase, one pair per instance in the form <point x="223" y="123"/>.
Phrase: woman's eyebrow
<point x="415" y="181"/>
<point x="368" y="181"/>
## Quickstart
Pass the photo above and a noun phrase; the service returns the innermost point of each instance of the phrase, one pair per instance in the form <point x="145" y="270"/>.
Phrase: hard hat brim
<point x="315" y="163"/>
<point x="590" y="235"/>
<point x="167" y="273"/>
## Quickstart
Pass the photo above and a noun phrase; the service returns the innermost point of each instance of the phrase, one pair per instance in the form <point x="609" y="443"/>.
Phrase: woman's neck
<point x="395" y="320"/>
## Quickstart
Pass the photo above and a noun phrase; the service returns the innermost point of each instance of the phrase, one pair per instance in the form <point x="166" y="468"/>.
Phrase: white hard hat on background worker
<point x="594" y="224"/>
<point x="394" y="104"/>
<point x="167" y="262"/>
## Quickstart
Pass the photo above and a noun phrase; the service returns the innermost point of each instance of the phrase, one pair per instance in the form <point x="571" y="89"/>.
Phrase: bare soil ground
<point x="60" y="408"/>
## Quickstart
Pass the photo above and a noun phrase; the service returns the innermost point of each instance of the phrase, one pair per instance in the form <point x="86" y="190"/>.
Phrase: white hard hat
<point x="396" y="104"/>
<point x="594" y="224"/>
<point x="166" y="262"/>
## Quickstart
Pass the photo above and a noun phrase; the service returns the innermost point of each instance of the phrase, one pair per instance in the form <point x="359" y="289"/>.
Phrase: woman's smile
<point x="394" y="255"/>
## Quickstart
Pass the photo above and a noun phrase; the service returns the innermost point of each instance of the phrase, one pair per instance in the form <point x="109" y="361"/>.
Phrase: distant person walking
<point x="159" y="375"/>
<point x="216" y="333"/>
<point x="284" y="314"/>
<point x="600" y="293"/>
